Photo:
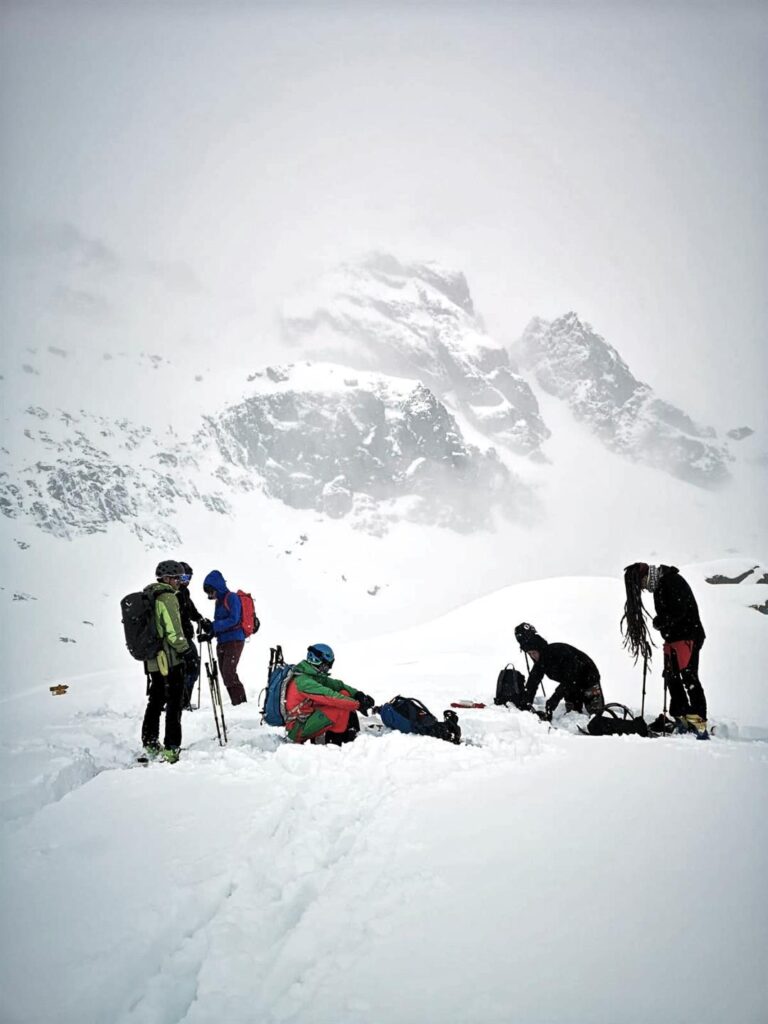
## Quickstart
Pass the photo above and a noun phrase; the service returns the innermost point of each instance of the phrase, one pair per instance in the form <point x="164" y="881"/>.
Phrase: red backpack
<point x="249" y="620"/>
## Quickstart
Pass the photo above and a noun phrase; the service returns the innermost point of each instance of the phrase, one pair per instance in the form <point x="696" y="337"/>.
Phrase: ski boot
<point x="661" y="726"/>
<point x="697" y="725"/>
<point x="151" y="753"/>
<point x="170" y="755"/>
<point x="452" y="726"/>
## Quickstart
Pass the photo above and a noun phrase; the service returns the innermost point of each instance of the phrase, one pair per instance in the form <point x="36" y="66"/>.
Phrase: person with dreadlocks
<point x="677" y="619"/>
<point x="574" y="671"/>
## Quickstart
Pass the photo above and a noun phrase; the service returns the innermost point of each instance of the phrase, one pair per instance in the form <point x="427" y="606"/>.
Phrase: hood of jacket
<point x="214" y="580"/>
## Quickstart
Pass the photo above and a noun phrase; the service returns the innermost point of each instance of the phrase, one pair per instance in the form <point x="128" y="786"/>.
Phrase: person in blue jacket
<point x="228" y="632"/>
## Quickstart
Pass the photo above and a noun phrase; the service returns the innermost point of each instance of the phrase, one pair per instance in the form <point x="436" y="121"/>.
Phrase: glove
<point x="205" y="632"/>
<point x="365" y="702"/>
<point x="205" y="626"/>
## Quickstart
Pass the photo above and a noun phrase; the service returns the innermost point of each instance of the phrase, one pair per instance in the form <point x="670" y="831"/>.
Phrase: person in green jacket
<point x="168" y="670"/>
<point x="319" y="708"/>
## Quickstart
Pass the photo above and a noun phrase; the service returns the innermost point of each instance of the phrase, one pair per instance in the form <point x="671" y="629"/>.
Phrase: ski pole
<point x="528" y="670"/>
<point x="212" y="671"/>
<point x="645" y="673"/>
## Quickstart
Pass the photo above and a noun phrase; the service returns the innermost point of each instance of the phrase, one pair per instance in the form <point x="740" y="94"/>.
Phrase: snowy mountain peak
<point x="570" y="360"/>
<point x="451" y="283"/>
<point x="418" y="321"/>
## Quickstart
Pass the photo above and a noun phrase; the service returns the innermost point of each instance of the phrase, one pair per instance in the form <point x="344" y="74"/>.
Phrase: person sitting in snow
<point x="677" y="619"/>
<point x="574" y="671"/>
<point x="319" y="708"/>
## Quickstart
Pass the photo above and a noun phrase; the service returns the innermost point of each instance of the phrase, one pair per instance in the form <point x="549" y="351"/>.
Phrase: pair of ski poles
<point x="212" y="672"/>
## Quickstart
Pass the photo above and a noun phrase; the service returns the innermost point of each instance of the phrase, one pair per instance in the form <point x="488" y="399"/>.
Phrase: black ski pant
<point x="681" y="677"/>
<point x="191" y="677"/>
<point x="169" y="691"/>
<point x="584" y="694"/>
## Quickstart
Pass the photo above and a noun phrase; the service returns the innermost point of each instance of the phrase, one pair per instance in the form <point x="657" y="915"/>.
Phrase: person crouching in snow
<point x="572" y="669"/>
<point x="319" y="708"/>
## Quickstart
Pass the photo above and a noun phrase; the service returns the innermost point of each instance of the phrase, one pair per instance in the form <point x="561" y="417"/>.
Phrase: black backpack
<point x="616" y="720"/>
<point x="510" y="687"/>
<point x="141" y="637"/>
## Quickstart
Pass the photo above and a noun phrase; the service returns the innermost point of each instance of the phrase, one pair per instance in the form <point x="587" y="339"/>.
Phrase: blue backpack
<point x="278" y="677"/>
<point x="406" y="714"/>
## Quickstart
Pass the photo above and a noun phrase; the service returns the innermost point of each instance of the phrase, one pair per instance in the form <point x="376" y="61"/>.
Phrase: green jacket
<point x="309" y="679"/>
<point x="168" y="623"/>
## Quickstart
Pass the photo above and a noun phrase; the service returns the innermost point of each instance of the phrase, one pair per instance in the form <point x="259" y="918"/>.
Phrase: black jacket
<point x="189" y="613"/>
<point x="677" y="614"/>
<point x="571" y="668"/>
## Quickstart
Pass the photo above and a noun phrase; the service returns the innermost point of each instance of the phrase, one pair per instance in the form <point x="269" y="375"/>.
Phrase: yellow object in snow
<point x="162" y="663"/>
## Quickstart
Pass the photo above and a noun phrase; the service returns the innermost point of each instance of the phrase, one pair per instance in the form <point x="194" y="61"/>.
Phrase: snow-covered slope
<point x="274" y="883"/>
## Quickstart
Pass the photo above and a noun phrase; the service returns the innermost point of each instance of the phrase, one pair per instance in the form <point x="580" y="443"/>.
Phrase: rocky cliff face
<point x="372" y="447"/>
<point x="419" y="419"/>
<point x="568" y="359"/>
<point x="73" y="475"/>
<point x="418" y="321"/>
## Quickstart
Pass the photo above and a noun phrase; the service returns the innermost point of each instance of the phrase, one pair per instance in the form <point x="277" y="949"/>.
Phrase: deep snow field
<point x="531" y="875"/>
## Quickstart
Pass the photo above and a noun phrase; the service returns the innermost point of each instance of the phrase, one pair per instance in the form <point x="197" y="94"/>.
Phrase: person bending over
<point x="574" y="671"/>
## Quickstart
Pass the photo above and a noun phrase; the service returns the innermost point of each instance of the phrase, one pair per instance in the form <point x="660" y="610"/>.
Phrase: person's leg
<point x="695" y="692"/>
<point x="173" y="702"/>
<point x="228" y="655"/>
<point x="150" y="727"/>
<point x="190" y="681"/>
<point x="593" y="699"/>
<point x="347" y="735"/>
<point x="678" y="699"/>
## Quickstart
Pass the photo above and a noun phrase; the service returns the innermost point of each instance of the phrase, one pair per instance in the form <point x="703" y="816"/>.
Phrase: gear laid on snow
<point x="510" y="688"/>
<point x="408" y="715"/>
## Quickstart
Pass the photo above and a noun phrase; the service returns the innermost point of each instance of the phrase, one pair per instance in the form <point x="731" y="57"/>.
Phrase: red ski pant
<point x="681" y="676"/>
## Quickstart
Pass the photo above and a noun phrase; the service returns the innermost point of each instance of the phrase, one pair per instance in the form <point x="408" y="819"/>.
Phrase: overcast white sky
<point x="607" y="158"/>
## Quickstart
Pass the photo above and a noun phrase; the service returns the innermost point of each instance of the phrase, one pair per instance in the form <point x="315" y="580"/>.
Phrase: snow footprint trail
<point x="316" y="850"/>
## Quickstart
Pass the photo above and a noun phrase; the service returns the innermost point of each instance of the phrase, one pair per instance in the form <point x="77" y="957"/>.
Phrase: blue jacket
<point x="226" y="619"/>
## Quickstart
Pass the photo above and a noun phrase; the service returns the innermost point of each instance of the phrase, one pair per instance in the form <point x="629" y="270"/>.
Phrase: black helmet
<point x="169" y="568"/>
<point x="527" y="637"/>
<point x="186" y="567"/>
